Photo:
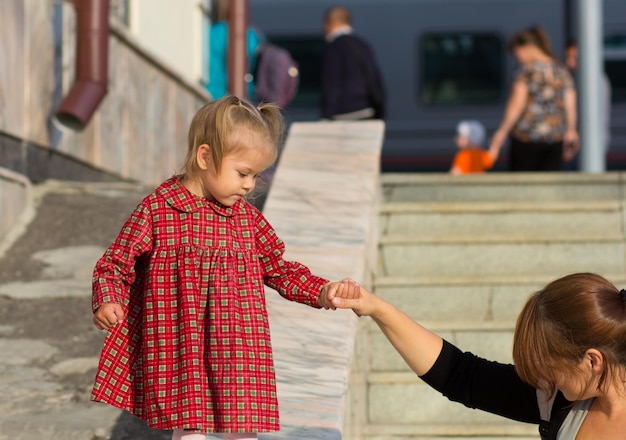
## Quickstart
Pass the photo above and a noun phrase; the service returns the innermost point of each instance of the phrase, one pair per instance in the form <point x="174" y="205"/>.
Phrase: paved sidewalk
<point x="48" y="343"/>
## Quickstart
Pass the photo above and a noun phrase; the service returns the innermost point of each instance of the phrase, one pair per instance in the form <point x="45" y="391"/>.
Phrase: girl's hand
<point x="108" y="315"/>
<point x="345" y="288"/>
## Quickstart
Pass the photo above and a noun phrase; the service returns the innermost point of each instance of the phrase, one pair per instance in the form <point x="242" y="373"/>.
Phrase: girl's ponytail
<point x="274" y="121"/>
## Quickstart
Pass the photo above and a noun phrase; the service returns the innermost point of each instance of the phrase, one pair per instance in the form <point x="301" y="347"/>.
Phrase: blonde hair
<point x="534" y="36"/>
<point x="561" y="322"/>
<point x="214" y="124"/>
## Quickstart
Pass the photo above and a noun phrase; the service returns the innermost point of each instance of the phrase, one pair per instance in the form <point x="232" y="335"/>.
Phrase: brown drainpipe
<point x="237" y="47"/>
<point x="92" y="56"/>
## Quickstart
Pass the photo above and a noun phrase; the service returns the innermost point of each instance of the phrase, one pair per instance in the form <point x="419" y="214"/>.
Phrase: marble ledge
<point x="329" y="186"/>
<point x="322" y="204"/>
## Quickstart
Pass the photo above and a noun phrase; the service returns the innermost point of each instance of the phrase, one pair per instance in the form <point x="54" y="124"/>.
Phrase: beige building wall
<point x="174" y="30"/>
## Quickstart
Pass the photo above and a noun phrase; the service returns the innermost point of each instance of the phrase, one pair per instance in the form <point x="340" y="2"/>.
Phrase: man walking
<point x="352" y="86"/>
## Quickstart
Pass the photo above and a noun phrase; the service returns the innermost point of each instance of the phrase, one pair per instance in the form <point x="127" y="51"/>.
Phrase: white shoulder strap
<point x="545" y="404"/>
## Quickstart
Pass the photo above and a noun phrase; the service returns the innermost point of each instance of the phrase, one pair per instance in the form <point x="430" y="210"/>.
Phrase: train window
<point x="615" y="65"/>
<point x="307" y="52"/>
<point x="461" y="68"/>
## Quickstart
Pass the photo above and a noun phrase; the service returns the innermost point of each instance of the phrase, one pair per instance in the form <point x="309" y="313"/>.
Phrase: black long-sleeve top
<point x="493" y="387"/>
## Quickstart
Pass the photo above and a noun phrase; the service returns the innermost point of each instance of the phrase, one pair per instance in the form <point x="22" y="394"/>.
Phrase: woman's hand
<point x="364" y="303"/>
<point x="498" y="139"/>
<point x="571" y="144"/>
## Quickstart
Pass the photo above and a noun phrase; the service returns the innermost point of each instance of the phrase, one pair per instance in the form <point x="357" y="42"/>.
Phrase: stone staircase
<point x="461" y="254"/>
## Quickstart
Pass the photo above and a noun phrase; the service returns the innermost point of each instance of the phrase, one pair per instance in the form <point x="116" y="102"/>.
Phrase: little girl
<point x="181" y="289"/>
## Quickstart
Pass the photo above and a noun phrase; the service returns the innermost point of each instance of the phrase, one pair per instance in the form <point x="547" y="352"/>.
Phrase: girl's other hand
<point x="108" y="315"/>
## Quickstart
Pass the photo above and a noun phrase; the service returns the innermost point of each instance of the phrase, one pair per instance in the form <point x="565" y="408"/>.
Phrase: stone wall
<point x="139" y="130"/>
<point x="15" y="192"/>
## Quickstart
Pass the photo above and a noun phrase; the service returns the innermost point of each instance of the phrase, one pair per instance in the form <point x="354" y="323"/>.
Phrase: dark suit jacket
<point x="346" y="63"/>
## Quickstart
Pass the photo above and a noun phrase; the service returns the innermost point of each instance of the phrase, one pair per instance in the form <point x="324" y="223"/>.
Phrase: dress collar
<point x="181" y="199"/>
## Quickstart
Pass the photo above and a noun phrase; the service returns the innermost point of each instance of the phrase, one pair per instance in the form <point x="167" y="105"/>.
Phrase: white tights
<point x="180" y="434"/>
<point x="241" y="436"/>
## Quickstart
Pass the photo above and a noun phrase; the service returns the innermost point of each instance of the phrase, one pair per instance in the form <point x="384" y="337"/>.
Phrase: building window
<point x="120" y="10"/>
<point x="461" y="68"/>
<point x="307" y="52"/>
<point x="615" y="65"/>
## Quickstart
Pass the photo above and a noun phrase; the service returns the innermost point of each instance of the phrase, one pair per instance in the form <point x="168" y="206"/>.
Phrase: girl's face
<point x="239" y="171"/>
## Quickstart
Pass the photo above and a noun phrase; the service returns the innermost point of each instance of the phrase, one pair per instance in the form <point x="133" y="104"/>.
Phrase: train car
<point x="442" y="61"/>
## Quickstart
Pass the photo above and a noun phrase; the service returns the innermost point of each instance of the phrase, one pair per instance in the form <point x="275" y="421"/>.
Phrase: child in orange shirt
<point x="471" y="158"/>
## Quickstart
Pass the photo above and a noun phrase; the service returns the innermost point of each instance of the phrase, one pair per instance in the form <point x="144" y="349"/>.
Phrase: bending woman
<point x="569" y="352"/>
<point x="540" y="115"/>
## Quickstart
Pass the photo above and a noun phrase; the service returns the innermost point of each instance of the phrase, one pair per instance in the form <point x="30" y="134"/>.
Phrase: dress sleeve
<point x="481" y="384"/>
<point x="115" y="270"/>
<point x="290" y="279"/>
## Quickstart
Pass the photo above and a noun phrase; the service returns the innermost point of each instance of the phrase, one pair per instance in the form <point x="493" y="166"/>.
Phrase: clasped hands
<point x="347" y="294"/>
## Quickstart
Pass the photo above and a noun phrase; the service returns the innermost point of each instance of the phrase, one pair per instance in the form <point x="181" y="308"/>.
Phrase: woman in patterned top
<point x="181" y="290"/>
<point x="540" y="115"/>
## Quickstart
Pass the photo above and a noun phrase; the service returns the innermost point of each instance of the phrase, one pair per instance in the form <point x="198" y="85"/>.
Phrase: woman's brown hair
<point x="561" y="322"/>
<point x="535" y="36"/>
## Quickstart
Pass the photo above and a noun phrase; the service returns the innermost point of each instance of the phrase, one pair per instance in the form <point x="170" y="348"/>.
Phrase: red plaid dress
<point x="194" y="351"/>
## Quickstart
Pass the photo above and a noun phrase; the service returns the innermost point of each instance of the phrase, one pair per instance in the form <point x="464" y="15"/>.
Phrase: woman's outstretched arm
<point x="461" y="377"/>
<point x="418" y="346"/>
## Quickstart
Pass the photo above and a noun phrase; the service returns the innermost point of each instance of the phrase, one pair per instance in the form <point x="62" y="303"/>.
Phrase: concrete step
<point x="479" y="280"/>
<point x="505" y="430"/>
<point x="419" y="404"/>
<point x="525" y="187"/>
<point x="457" y="299"/>
<point x="477" y="315"/>
<point x="501" y="221"/>
<point x="531" y="257"/>
<point x="461" y="255"/>
<point x="479" y="301"/>
<point x="493" y="341"/>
